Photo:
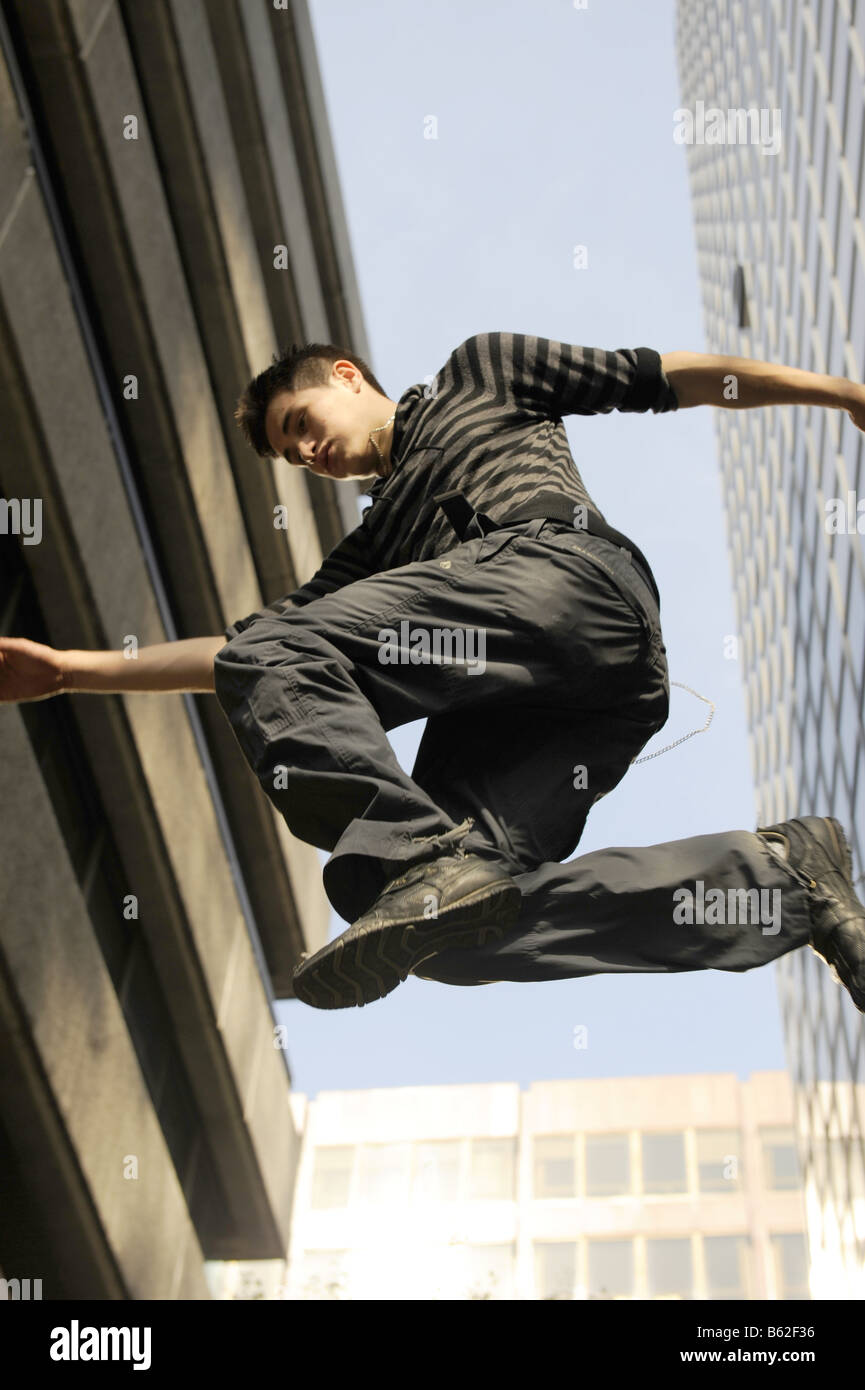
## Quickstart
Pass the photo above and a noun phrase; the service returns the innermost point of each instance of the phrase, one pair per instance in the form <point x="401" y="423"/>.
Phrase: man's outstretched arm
<point x="739" y="383"/>
<point x="33" y="671"/>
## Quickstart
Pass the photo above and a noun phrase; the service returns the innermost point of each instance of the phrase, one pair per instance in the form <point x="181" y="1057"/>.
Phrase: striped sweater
<point x="490" y="425"/>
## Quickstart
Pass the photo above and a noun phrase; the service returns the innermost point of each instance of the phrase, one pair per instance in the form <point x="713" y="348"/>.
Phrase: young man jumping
<point x="484" y="591"/>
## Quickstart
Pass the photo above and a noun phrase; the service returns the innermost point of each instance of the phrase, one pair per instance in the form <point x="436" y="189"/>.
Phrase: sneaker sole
<point x="350" y="973"/>
<point x="440" y="980"/>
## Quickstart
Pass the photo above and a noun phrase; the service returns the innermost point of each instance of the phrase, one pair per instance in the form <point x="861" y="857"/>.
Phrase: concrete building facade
<point x="169" y="216"/>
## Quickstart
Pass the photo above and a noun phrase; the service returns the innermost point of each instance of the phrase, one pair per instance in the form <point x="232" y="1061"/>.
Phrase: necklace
<point x="377" y="429"/>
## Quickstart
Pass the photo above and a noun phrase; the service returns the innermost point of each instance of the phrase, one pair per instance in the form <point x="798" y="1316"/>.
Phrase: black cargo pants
<point x="536" y="654"/>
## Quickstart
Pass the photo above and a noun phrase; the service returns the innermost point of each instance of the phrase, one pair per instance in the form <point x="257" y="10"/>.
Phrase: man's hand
<point x="29" y="671"/>
<point x="854" y="404"/>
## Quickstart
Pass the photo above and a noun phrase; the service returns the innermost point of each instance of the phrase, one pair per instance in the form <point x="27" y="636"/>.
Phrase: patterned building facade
<point x="773" y="122"/>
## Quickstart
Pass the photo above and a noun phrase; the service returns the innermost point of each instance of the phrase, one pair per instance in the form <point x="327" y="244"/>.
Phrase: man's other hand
<point x="28" y="671"/>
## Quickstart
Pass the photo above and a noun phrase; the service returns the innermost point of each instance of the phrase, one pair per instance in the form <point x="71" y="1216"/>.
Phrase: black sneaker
<point x="818" y="852"/>
<point x="473" y="902"/>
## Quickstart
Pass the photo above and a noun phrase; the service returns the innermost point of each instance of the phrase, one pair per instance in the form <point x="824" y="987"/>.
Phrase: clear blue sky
<point x="554" y="129"/>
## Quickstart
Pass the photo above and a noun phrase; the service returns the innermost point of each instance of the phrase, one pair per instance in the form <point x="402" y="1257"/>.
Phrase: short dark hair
<point x="292" y="369"/>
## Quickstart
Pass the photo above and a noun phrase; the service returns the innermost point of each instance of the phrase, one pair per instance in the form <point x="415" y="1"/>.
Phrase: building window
<point x="727" y="1266"/>
<point x="555" y="1268"/>
<point x="611" y="1269"/>
<point x="555" y="1168"/>
<point x="853" y="126"/>
<point x="331" y="1176"/>
<point x="846" y="252"/>
<point x="719" y="1160"/>
<point x="841" y="1153"/>
<point x="383" y="1173"/>
<point x="491" y="1271"/>
<point x="740" y="298"/>
<point x="323" y="1274"/>
<point x="790" y="1265"/>
<point x="857" y="312"/>
<point x="856" y="1158"/>
<point x="664" y="1163"/>
<point x="436" y="1171"/>
<point x="493" y="1169"/>
<point x="608" y="1165"/>
<point x="669" y="1268"/>
<point x="780" y="1161"/>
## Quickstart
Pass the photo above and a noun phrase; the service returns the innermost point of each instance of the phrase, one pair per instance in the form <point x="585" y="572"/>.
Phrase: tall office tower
<point x="169" y="214"/>
<point x="772" y="117"/>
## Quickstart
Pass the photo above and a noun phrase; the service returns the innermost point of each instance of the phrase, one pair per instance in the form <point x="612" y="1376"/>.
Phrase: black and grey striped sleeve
<point x="552" y="379"/>
<point x="348" y="561"/>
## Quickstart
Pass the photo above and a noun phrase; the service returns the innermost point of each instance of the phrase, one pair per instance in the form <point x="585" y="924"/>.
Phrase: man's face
<point x="326" y="428"/>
